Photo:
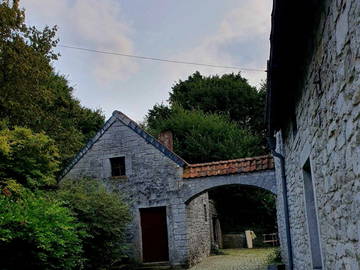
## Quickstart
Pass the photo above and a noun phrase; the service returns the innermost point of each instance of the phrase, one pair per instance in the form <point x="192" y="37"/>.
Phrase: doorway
<point x="311" y="215"/>
<point x="154" y="234"/>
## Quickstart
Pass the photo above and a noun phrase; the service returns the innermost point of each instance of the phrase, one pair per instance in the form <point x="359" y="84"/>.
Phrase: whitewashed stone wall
<point x="198" y="228"/>
<point x="328" y="122"/>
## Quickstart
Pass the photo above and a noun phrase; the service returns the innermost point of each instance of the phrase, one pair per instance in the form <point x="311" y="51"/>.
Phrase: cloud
<point x="93" y="24"/>
<point x="241" y="39"/>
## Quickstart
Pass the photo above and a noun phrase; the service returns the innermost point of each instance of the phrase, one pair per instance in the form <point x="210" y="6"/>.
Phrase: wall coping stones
<point x="225" y="167"/>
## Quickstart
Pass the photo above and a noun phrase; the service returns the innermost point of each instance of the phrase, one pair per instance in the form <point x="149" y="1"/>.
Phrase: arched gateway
<point x="256" y="171"/>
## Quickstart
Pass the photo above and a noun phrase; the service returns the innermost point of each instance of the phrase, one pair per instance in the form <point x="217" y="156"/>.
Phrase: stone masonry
<point x="154" y="177"/>
<point x="151" y="180"/>
<point x="198" y="221"/>
<point x="328" y="135"/>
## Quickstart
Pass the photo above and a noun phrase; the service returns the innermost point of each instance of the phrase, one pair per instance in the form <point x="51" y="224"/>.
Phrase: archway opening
<point x="221" y="217"/>
<point x="236" y="209"/>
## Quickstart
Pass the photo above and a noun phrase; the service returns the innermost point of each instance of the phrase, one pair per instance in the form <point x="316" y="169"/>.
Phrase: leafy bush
<point x="38" y="233"/>
<point x="29" y="158"/>
<point x="105" y="216"/>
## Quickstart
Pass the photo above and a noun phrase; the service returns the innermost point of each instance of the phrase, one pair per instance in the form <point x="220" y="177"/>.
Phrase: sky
<point x="227" y="32"/>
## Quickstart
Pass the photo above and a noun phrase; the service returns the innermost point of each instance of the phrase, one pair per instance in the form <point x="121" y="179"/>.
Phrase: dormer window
<point x="117" y="166"/>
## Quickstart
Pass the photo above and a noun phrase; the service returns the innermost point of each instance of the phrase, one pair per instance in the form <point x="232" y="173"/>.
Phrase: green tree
<point x="25" y="56"/>
<point x="241" y="110"/>
<point x="32" y="94"/>
<point x="30" y="158"/>
<point x="38" y="233"/>
<point x="65" y="120"/>
<point x="105" y="216"/>
<point x="201" y="137"/>
<point x="228" y="94"/>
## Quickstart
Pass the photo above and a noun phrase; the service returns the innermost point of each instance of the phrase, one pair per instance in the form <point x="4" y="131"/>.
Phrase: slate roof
<point x="242" y="165"/>
<point x="117" y="115"/>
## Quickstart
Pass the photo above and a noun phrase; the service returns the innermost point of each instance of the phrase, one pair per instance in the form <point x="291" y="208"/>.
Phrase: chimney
<point x="166" y="138"/>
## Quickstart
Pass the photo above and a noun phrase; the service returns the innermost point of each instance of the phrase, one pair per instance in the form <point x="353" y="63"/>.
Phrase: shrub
<point x="38" y="233"/>
<point x="105" y="216"/>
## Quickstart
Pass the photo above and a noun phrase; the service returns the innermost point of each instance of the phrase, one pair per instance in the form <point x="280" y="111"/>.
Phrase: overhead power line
<point x="161" y="59"/>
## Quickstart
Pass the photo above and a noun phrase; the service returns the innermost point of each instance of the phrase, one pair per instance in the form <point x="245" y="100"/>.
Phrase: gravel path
<point x="238" y="259"/>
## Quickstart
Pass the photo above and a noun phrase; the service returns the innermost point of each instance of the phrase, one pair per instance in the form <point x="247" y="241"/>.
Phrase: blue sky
<point x="227" y="32"/>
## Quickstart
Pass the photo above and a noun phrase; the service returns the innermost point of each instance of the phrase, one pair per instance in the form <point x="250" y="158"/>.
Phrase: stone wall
<point x="215" y="226"/>
<point x="328" y="134"/>
<point x="198" y="228"/>
<point x="264" y="179"/>
<point x="151" y="180"/>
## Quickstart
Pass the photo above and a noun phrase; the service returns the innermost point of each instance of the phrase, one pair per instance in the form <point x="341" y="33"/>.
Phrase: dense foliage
<point x="38" y="233"/>
<point x="228" y="94"/>
<point x="212" y="118"/>
<point x="30" y="158"/>
<point x="32" y="94"/>
<point x="65" y="228"/>
<point x="201" y="137"/>
<point x="41" y="126"/>
<point x="105" y="216"/>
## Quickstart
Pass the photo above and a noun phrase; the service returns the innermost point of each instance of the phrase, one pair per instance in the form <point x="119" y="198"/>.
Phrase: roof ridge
<point x="149" y="138"/>
<point x="132" y="125"/>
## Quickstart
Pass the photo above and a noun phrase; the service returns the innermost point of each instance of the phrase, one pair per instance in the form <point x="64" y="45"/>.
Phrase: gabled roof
<point x="149" y="139"/>
<point x="119" y="116"/>
<point x="225" y="167"/>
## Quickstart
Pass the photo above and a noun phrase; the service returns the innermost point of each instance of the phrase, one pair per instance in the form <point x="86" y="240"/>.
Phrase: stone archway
<point x="191" y="188"/>
<point x="193" y="193"/>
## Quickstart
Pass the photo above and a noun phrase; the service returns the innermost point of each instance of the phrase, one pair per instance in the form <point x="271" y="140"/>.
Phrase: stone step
<point x="154" y="266"/>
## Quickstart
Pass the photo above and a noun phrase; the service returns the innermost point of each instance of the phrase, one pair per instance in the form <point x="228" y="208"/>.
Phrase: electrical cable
<point x="161" y="59"/>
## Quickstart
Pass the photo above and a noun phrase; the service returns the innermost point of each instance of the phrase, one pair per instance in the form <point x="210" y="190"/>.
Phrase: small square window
<point x="117" y="166"/>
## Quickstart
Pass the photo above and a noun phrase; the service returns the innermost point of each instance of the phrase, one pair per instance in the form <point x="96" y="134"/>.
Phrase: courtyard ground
<point x="238" y="259"/>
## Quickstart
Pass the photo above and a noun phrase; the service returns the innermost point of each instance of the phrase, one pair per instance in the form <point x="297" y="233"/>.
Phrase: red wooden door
<point x="154" y="234"/>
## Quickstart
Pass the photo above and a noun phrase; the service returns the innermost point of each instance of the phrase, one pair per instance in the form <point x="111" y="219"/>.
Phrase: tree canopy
<point x="42" y="125"/>
<point x="212" y="118"/>
<point x="228" y="94"/>
<point x="32" y="94"/>
<point x="201" y="137"/>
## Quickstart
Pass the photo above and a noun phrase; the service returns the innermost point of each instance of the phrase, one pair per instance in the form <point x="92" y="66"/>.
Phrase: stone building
<point x="173" y="219"/>
<point x="313" y="112"/>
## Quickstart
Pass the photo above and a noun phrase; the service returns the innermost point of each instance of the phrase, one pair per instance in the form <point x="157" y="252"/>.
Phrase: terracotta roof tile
<point x="225" y="167"/>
